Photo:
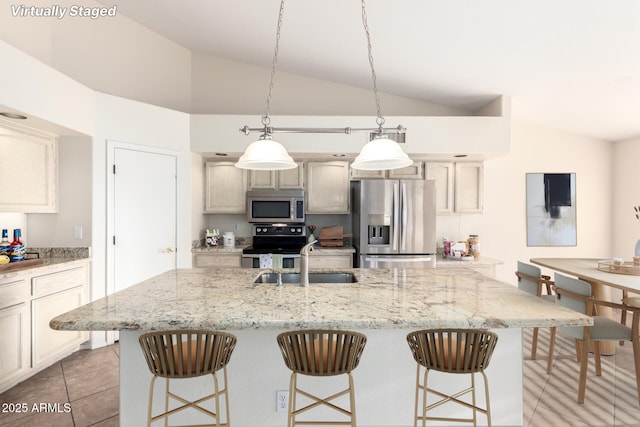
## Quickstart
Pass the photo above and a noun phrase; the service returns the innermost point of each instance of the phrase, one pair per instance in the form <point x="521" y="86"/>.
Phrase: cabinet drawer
<point x="59" y="281"/>
<point x="13" y="292"/>
<point x="231" y="260"/>
<point x="331" y="261"/>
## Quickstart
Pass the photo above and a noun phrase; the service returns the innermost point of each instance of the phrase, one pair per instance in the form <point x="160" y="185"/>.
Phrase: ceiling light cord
<point x="274" y="65"/>
<point x="379" y="119"/>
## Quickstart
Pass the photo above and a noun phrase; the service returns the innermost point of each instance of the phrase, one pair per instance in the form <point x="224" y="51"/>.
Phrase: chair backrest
<point x="186" y="353"/>
<point x="321" y="352"/>
<point x="525" y="281"/>
<point x="575" y="286"/>
<point x="453" y="350"/>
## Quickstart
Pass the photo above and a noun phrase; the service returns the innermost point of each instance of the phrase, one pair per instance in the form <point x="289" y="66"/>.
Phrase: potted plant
<point x="312" y="229"/>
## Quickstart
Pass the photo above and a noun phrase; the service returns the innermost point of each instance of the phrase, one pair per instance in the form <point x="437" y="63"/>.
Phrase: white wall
<point x="74" y="199"/>
<point x="502" y="226"/>
<point x="626" y="190"/>
<point x="112" y="54"/>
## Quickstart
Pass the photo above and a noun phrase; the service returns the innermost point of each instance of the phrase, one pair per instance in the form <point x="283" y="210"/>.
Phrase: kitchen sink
<point x="313" y="278"/>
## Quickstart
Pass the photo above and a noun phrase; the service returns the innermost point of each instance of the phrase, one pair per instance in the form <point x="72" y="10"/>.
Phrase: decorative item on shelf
<point x="381" y="152"/>
<point x="312" y="230"/>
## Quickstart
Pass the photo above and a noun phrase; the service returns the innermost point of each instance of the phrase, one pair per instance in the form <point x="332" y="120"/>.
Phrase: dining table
<point x="601" y="281"/>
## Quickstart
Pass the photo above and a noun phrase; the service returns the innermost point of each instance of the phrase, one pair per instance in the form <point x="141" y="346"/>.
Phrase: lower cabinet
<point x="318" y="260"/>
<point x="28" y="302"/>
<point x="48" y="345"/>
<point x="14" y="351"/>
<point x="203" y="260"/>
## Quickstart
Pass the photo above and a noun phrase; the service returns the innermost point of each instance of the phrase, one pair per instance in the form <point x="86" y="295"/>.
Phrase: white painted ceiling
<point x="567" y="64"/>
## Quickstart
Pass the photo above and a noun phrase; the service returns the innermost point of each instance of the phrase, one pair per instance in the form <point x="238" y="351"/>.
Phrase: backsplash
<point x="59" y="252"/>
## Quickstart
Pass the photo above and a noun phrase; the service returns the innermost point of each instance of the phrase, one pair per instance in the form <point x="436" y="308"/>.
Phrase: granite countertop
<point x="47" y="262"/>
<point x="227" y="299"/>
<point x="219" y="250"/>
<point x="448" y="262"/>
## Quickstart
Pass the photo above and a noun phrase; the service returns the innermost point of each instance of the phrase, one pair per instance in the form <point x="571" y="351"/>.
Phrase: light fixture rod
<point x="346" y="130"/>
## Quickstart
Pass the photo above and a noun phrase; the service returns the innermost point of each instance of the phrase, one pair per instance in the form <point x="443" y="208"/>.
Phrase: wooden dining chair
<point x="576" y="295"/>
<point x="532" y="281"/>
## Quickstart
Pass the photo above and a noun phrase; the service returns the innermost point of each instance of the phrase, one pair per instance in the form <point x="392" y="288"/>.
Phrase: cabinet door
<point x="291" y="178"/>
<point x="225" y="188"/>
<point x="327" y="187"/>
<point x="331" y="261"/>
<point x="29" y="170"/>
<point x="262" y="180"/>
<point x="469" y="184"/>
<point x="442" y="173"/>
<point x="14" y="351"/>
<point x="415" y="171"/>
<point x="48" y="344"/>
<point x="358" y="174"/>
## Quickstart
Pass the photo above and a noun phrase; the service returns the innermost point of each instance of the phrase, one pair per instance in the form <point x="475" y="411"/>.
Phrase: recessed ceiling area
<point x="571" y="65"/>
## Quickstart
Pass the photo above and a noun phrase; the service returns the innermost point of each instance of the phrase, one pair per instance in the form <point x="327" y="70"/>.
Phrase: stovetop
<point x="277" y="239"/>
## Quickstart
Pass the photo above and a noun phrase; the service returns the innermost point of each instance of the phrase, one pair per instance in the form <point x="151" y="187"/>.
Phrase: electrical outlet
<point x="282" y="400"/>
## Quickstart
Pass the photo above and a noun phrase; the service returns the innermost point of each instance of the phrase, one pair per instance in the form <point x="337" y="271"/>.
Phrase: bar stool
<point x="321" y="353"/>
<point x="187" y="354"/>
<point x="455" y="351"/>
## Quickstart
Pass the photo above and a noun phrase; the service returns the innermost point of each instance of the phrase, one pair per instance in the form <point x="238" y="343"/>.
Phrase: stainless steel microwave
<point x="275" y="206"/>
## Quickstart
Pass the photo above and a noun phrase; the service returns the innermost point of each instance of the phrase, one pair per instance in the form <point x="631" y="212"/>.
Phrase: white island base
<point x="384" y="382"/>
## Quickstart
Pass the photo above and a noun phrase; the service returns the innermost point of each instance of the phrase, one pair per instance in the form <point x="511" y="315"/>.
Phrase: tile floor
<point x="88" y="380"/>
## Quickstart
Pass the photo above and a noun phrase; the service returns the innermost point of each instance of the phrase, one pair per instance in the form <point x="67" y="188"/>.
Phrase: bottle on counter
<point x="474" y="245"/>
<point x="4" y="247"/>
<point x="16" y="248"/>
<point x="446" y="247"/>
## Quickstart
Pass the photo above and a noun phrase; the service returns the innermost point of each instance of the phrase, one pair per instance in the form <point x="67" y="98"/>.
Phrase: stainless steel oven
<point x="282" y="239"/>
<point x="275" y="206"/>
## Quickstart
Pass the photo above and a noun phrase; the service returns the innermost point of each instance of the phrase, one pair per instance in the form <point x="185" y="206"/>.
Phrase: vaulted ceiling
<point x="570" y="64"/>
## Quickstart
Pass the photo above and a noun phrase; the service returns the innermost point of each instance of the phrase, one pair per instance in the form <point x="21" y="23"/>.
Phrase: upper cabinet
<point x="277" y="180"/>
<point x="415" y="171"/>
<point x="327" y="187"/>
<point x="29" y="170"/>
<point x="225" y="188"/>
<point x="469" y="185"/>
<point x="459" y="186"/>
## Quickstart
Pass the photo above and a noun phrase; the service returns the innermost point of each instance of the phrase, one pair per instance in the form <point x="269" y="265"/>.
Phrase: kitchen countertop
<point x="46" y="263"/>
<point x="318" y="250"/>
<point x="442" y="262"/>
<point x="227" y="299"/>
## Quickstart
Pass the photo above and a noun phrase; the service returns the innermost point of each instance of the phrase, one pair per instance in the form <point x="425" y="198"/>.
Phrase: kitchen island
<point x="385" y="304"/>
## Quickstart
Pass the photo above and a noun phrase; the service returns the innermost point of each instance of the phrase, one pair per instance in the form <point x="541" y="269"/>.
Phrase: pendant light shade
<point x="266" y="154"/>
<point x="380" y="154"/>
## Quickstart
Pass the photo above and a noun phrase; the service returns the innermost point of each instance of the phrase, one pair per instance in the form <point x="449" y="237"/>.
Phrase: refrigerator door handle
<point x="396" y="216"/>
<point x="403" y="197"/>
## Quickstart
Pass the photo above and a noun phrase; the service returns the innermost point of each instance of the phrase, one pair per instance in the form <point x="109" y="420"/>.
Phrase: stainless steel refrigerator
<point x="394" y="223"/>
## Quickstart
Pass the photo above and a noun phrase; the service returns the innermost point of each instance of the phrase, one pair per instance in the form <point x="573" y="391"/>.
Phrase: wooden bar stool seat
<point x="179" y="354"/>
<point x="321" y="353"/>
<point x="455" y="351"/>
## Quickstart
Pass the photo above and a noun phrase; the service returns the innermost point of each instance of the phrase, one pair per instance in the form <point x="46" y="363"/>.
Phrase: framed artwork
<point x="551" y="209"/>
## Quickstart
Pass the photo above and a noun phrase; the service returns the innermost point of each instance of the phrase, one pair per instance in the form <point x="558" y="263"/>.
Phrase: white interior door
<point x="144" y="215"/>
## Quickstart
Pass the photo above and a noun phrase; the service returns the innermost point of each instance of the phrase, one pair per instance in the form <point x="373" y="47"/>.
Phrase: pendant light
<point x="267" y="153"/>
<point x="380" y="153"/>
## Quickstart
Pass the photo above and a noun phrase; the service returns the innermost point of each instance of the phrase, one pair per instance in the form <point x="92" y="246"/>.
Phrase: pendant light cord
<point x="265" y="119"/>
<point x="379" y="119"/>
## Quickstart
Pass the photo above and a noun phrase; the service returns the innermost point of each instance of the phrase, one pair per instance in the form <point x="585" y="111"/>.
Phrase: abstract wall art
<point x="551" y="209"/>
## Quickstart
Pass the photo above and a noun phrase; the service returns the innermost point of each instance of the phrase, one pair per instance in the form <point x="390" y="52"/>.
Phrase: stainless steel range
<point x="284" y="239"/>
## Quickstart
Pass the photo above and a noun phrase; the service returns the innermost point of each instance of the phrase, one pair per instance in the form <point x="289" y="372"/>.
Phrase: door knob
<point x="169" y="250"/>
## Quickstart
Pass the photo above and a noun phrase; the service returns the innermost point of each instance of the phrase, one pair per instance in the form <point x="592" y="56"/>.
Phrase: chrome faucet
<point x="304" y="263"/>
